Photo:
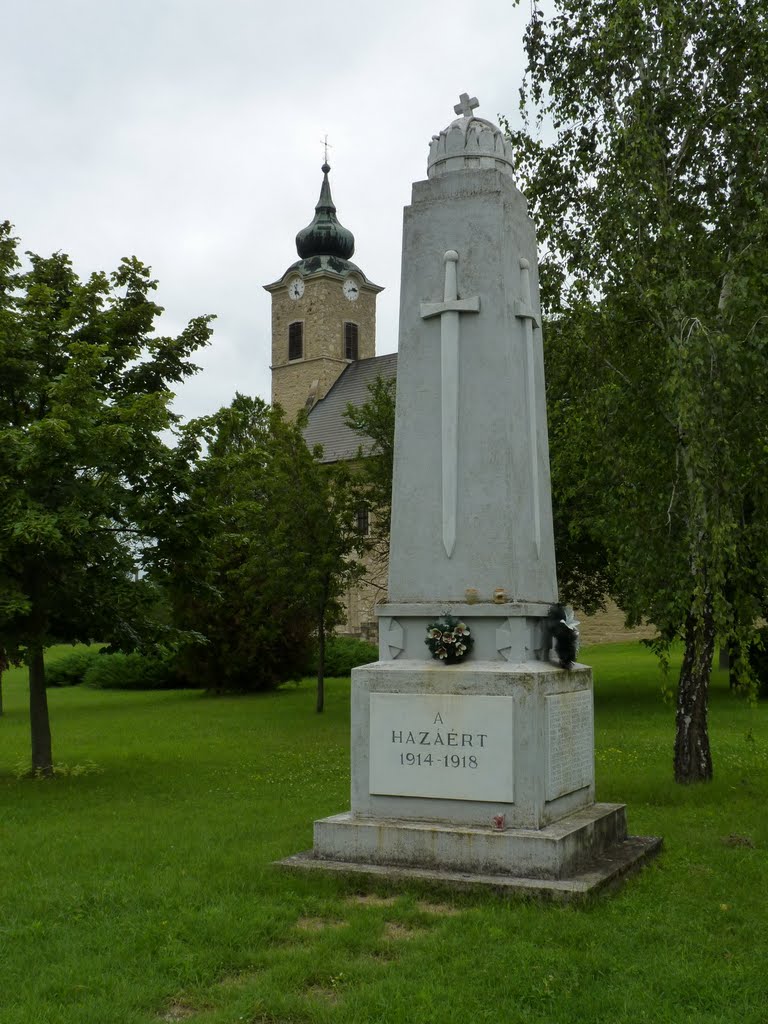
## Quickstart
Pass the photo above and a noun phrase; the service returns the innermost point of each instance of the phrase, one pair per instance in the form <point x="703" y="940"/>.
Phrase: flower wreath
<point x="449" y="640"/>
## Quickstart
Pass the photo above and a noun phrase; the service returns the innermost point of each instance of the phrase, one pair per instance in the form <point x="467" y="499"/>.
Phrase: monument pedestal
<point x="485" y="744"/>
<point x="479" y="773"/>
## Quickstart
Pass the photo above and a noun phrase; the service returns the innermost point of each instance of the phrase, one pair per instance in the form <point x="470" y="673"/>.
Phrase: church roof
<point x="326" y="424"/>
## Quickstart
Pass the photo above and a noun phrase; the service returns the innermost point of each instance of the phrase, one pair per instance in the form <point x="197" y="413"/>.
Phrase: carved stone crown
<point x="469" y="143"/>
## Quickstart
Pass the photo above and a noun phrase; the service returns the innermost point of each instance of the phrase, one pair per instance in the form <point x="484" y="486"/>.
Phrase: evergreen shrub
<point x="260" y="658"/>
<point x="69" y="669"/>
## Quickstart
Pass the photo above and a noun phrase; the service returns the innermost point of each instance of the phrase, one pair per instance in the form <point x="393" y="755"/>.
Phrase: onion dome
<point x="325" y="236"/>
<point x="468" y="143"/>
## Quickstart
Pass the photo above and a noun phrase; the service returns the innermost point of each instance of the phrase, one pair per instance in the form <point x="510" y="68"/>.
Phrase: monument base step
<point x="554" y="851"/>
<point x="605" y="872"/>
<point x="573" y="857"/>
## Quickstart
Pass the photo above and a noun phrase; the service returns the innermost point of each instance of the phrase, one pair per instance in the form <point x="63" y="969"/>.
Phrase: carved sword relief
<point x="524" y="312"/>
<point x="448" y="310"/>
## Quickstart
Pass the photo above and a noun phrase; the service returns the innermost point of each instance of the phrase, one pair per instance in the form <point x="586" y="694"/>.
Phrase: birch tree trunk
<point x="693" y="760"/>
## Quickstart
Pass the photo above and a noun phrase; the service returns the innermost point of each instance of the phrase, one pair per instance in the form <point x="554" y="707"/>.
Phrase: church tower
<point x="323" y="311"/>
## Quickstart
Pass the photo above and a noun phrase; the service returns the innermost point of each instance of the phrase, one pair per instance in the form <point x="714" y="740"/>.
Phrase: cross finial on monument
<point x="326" y="144"/>
<point x="466" y="105"/>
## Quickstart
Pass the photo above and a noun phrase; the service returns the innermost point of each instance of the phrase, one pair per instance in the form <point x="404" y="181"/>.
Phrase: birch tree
<point x="644" y="154"/>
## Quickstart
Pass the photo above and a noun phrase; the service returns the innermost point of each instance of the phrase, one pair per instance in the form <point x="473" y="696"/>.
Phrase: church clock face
<point x="296" y="288"/>
<point x="351" y="289"/>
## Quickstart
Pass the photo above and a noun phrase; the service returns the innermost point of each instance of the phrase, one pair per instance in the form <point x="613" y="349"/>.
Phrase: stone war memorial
<point x="472" y="747"/>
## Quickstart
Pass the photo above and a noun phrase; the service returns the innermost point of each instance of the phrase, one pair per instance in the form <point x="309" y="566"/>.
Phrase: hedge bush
<point x="69" y="669"/>
<point x="133" y="672"/>
<point x="343" y="653"/>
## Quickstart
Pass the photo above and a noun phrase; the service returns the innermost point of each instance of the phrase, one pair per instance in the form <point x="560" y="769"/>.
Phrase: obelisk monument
<point x="472" y="750"/>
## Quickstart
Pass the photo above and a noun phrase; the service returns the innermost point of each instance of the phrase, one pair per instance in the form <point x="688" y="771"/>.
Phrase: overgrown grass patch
<point x="143" y="890"/>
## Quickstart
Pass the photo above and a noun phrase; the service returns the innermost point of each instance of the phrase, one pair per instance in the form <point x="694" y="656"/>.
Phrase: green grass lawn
<point x="138" y="887"/>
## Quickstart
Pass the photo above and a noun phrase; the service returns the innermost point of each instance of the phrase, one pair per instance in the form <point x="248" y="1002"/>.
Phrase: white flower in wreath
<point x="573" y="624"/>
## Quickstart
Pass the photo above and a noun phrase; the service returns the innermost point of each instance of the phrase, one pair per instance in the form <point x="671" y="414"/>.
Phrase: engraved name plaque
<point x="442" y="745"/>
<point x="570" y="742"/>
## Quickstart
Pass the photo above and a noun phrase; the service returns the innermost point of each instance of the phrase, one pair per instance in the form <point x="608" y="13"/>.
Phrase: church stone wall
<point x="292" y="383"/>
<point x="360" y="602"/>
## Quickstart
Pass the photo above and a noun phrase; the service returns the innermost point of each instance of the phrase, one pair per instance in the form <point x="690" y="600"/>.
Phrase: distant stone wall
<point x="608" y="627"/>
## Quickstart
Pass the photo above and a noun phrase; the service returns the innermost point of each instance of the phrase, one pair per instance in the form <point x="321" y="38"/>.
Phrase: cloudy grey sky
<point x="187" y="133"/>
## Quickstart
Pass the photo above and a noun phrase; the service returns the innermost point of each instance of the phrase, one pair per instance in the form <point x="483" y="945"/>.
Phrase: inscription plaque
<point x="446" y="746"/>
<point x="570" y="742"/>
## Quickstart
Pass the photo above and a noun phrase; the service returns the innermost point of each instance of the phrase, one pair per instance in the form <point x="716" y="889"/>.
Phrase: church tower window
<point x="296" y="340"/>
<point x="363" y="524"/>
<point x="351" y="337"/>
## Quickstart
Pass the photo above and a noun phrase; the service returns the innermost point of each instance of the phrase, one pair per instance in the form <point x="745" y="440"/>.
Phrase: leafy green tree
<point x="333" y="549"/>
<point x="3" y="667"/>
<point x="263" y="549"/>
<point x="646" y="173"/>
<point x="85" y="475"/>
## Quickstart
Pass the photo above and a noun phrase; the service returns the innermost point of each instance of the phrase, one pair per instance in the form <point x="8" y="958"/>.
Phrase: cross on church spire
<point x="326" y="144"/>
<point x="466" y="105"/>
